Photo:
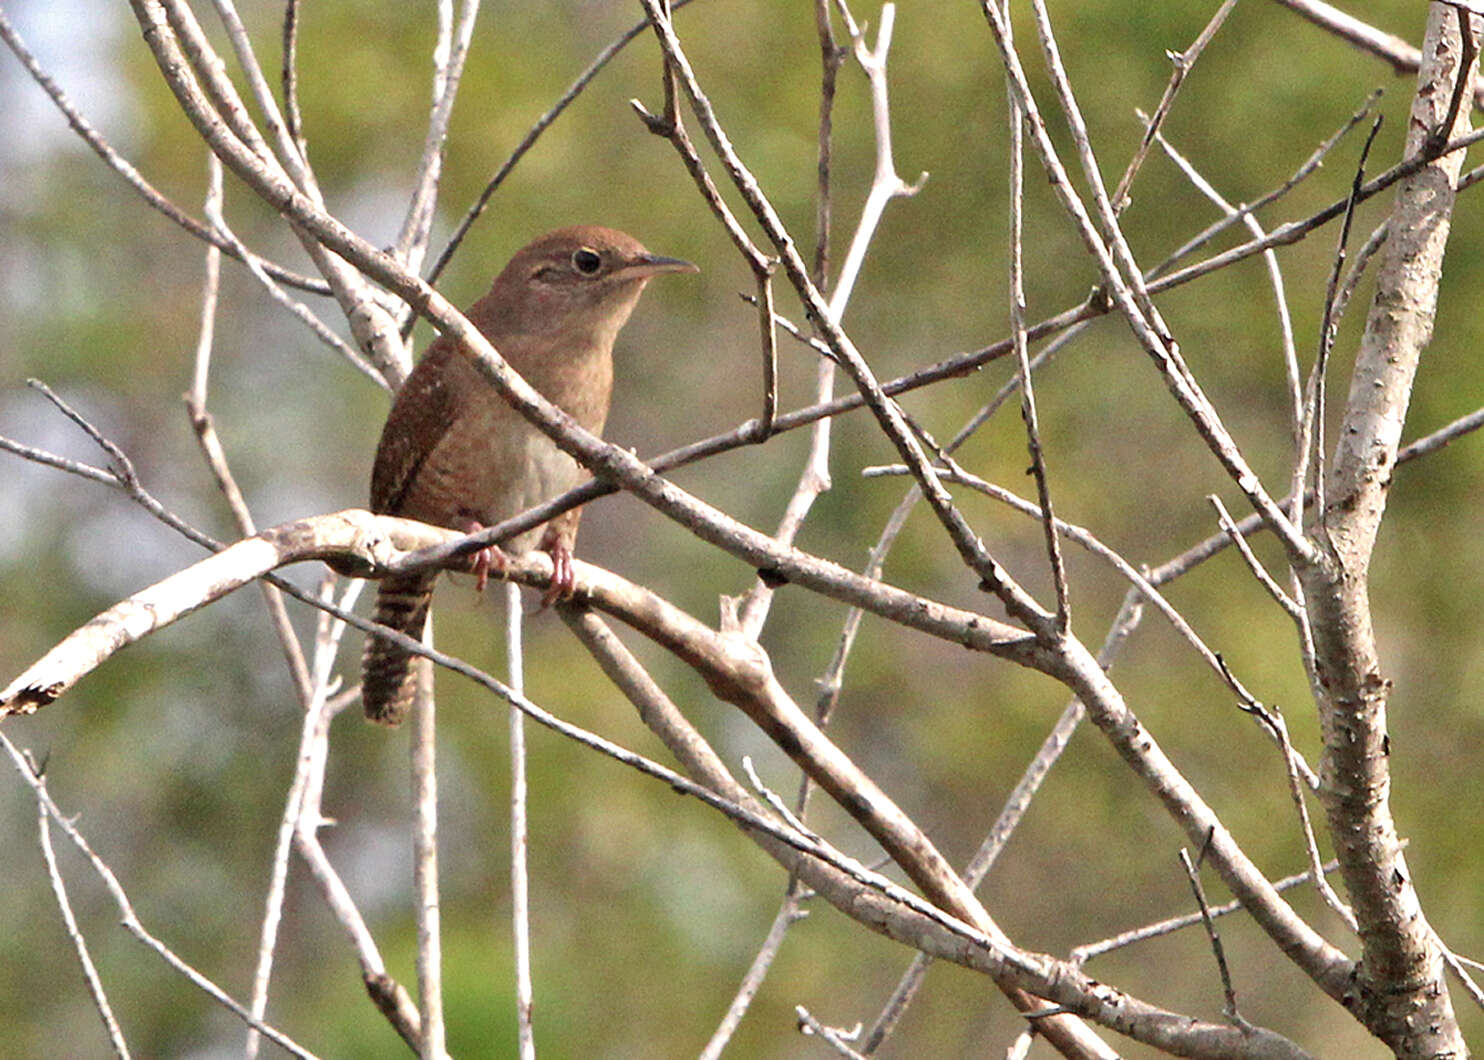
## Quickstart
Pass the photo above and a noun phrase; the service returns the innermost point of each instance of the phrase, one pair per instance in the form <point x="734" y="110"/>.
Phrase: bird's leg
<point x="563" y="580"/>
<point x="489" y="558"/>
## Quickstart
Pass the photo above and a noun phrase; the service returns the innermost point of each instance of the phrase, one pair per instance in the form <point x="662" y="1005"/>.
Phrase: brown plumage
<point x="454" y="453"/>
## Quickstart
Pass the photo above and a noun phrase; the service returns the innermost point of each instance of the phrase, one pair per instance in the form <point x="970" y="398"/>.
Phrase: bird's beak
<point x="646" y="265"/>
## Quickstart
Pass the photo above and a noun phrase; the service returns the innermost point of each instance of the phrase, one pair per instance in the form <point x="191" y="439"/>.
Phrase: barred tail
<point x="389" y="675"/>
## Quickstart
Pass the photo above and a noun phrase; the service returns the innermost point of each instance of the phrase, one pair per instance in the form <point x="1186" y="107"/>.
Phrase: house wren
<point x="454" y="453"/>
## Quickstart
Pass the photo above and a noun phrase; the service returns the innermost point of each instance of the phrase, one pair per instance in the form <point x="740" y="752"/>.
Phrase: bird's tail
<point x="389" y="675"/>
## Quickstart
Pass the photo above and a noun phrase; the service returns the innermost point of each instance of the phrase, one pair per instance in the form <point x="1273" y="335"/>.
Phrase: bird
<point x="456" y="454"/>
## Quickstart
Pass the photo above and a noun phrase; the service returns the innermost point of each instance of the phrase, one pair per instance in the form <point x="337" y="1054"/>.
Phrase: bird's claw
<point x="563" y="579"/>
<point x="489" y="558"/>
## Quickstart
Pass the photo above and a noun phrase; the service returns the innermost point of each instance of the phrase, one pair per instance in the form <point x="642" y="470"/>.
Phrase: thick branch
<point x="357" y="539"/>
<point x="1400" y="992"/>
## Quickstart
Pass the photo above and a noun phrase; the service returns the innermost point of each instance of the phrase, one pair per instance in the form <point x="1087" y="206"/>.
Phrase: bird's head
<point x="578" y="282"/>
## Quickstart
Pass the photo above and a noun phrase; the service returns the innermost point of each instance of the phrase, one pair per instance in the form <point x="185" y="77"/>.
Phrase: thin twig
<point x="284" y="145"/>
<point x="1309" y="465"/>
<point x="449" y="53"/>
<point x="1181" y="62"/>
<point x="520" y="877"/>
<point x="1216" y="948"/>
<point x="296" y="308"/>
<point x="1291" y="762"/>
<point x="210" y="288"/>
<point x="1249" y="557"/>
<point x="1431" y="443"/>
<point x="885" y="186"/>
<point x="120" y="165"/>
<point x="1363" y="257"/>
<point x="69" y="920"/>
<point x="1082" y="954"/>
<point x="830" y="684"/>
<point x="769" y="339"/>
<point x="216" y="457"/>
<point x="1275" y="279"/>
<point x="1307" y="168"/>
<point x="205" y="429"/>
<point x="303" y="810"/>
<point x="1090" y="542"/>
<point x="703" y="764"/>
<point x="773" y="800"/>
<point x="831" y="57"/>
<point x="129" y="918"/>
<point x="788" y="914"/>
<point x="1459" y="966"/>
<point x="289" y="79"/>
<point x="61" y="463"/>
<point x="120" y="473"/>
<point x="527" y="142"/>
<point x="1023" y="364"/>
<point x="424" y="744"/>
<point x="839" y="1040"/>
<point x="1009" y="818"/>
<point x="232" y="135"/>
<point x="1465" y="79"/>
<point x="1017" y="804"/>
<point x="971" y="549"/>
<point x="1292" y="231"/>
<point x="1119" y="272"/>
<point x="308" y="775"/>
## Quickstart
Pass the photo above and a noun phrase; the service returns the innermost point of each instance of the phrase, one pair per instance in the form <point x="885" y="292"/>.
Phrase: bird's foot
<point x="563" y="579"/>
<point x="489" y="558"/>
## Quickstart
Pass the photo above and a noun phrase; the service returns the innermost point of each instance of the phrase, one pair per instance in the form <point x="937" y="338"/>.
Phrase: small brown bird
<point x="454" y="453"/>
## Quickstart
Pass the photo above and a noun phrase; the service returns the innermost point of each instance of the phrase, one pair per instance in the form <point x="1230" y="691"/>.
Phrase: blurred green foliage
<point x="647" y="908"/>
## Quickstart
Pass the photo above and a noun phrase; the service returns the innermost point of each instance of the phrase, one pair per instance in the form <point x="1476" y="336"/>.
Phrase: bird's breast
<point x="490" y="464"/>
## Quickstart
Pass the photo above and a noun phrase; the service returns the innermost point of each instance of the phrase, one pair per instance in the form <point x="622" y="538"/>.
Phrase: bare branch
<point x="296" y="308"/>
<point x="194" y="67"/>
<point x="1253" y="563"/>
<point x="69" y="920"/>
<point x="788" y="914"/>
<point x="837" y="1039"/>
<point x="528" y="141"/>
<point x="1275" y="278"/>
<point x="130" y="918"/>
<point x="1404" y="57"/>
<point x="886" y="185"/>
<point x="1141" y="584"/>
<point x="289" y="78"/>
<point x="970" y="548"/>
<point x="302" y="804"/>
<point x="520" y="879"/>
<point x="1181" y="62"/>
<point x="350" y="534"/>
<point x="1022" y="359"/>
<point x="448" y="68"/>
<point x="423" y="747"/>
<point x="1211" y="933"/>
<point x="1085" y="953"/>
<point x="1400" y="995"/>
<point x="1311" y="435"/>
<point x="122" y="167"/>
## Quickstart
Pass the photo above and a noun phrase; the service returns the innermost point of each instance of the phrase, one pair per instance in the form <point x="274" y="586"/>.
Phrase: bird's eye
<point x="586" y="261"/>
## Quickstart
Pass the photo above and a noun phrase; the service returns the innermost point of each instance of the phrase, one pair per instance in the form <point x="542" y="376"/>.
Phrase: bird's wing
<point x="424" y="409"/>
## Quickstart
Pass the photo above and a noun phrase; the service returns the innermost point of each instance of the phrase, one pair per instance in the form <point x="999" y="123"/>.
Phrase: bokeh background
<point x="648" y="908"/>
